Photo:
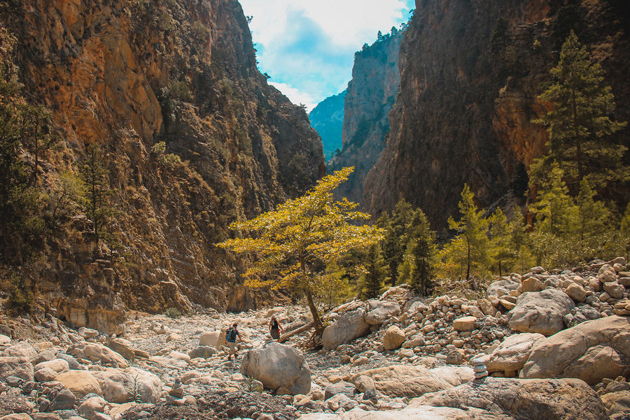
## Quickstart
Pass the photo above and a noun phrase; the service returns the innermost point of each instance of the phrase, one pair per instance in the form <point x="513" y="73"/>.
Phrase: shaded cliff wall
<point x="470" y="74"/>
<point x="327" y="119"/>
<point x="371" y="94"/>
<point x="125" y="75"/>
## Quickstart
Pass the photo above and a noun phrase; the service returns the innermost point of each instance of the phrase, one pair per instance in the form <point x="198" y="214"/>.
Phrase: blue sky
<point x="308" y="46"/>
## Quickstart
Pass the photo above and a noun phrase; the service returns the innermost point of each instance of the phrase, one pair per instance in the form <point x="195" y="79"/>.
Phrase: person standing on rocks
<point x="275" y="329"/>
<point x="230" y="338"/>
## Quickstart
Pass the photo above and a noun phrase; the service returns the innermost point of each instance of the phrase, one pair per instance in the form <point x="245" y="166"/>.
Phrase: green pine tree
<point x="556" y="221"/>
<point x="624" y="231"/>
<point x="595" y="220"/>
<point x="24" y="140"/>
<point x="375" y="273"/>
<point x="394" y="244"/>
<point x="417" y="264"/>
<point x="98" y="193"/>
<point x="579" y="122"/>
<point x="472" y="237"/>
<point x="554" y="210"/>
<point x="504" y="250"/>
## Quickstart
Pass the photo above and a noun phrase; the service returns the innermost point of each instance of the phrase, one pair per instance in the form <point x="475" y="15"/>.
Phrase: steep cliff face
<point x="327" y="119"/>
<point x="470" y="74"/>
<point x="125" y="75"/>
<point x="371" y="95"/>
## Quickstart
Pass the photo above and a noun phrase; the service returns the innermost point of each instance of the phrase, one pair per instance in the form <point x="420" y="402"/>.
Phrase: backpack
<point x="230" y="336"/>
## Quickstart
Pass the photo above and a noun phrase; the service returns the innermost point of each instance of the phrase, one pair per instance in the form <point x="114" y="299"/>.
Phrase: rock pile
<point x="395" y="356"/>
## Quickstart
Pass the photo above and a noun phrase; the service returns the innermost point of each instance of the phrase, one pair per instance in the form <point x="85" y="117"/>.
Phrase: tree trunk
<point x="319" y="327"/>
<point x="296" y="331"/>
<point x="578" y="142"/>
<point x="467" y="260"/>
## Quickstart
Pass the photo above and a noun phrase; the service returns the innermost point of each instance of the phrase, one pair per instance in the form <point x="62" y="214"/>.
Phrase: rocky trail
<point x="501" y="356"/>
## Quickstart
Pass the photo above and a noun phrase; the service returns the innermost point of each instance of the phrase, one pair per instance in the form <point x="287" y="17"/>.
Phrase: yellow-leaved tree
<point x="293" y="245"/>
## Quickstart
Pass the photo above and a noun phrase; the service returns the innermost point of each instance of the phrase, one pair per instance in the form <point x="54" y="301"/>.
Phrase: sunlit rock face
<point x="126" y="75"/>
<point x="470" y="74"/>
<point x="371" y="94"/>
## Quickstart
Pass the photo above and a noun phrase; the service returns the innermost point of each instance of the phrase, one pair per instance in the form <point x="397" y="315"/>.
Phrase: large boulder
<point x="346" y="328"/>
<point x="341" y="387"/>
<point x="278" y="366"/>
<point x="22" y="350"/>
<point x="19" y="367"/>
<point x="92" y="407"/>
<point x="576" y="292"/>
<point x="80" y="382"/>
<point x="132" y="384"/>
<point x="591" y="351"/>
<point x="214" y="339"/>
<point x="541" y="312"/>
<point x="618" y="404"/>
<point x="393" y="338"/>
<point x="565" y="399"/>
<point x="502" y="287"/>
<point x="99" y="353"/>
<point x="122" y="347"/>
<point x="57" y="365"/>
<point x="380" y="311"/>
<point x="511" y="355"/>
<point x="531" y="284"/>
<point x="413" y="381"/>
<point x="202" y="352"/>
<point x="466" y="323"/>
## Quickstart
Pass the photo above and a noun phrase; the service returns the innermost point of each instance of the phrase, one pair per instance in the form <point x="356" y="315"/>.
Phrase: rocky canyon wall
<point x="126" y="75"/>
<point x="371" y="94"/>
<point x="470" y="75"/>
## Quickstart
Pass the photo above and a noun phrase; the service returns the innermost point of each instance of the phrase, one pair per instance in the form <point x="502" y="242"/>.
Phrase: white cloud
<point x="295" y="95"/>
<point x="344" y="22"/>
<point x="308" y="46"/>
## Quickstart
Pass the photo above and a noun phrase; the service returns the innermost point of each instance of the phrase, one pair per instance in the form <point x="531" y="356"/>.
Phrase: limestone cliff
<point x="470" y="74"/>
<point x="125" y="75"/>
<point x="371" y="94"/>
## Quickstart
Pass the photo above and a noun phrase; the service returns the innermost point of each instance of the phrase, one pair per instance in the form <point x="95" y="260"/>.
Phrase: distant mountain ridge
<point x="327" y="119"/>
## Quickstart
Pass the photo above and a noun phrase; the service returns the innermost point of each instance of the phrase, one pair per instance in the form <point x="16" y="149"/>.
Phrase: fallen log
<point x="296" y="331"/>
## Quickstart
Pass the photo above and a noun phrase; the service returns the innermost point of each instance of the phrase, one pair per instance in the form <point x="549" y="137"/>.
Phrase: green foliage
<point x="180" y="91"/>
<point x="66" y="196"/>
<point x="554" y="210"/>
<point x="20" y="300"/>
<point x="168" y="160"/>
<point x="294" y="245"/>
<point x="24" y="139"/>
<point x="624" y="230"/>
<point x="416" y="268"/>
<point x="375" y="273"/>
<point x="98" y="206"/>
<point x="568" y="230"/>
<point x="394" y="244"/>
<point x="579" y="122"/>
<point x="504" y="241"/>
<point x="173" y="313"/>
<point x="594" y="219"/>
<point x="471" y="244"/>
<point x="200" y="32"/>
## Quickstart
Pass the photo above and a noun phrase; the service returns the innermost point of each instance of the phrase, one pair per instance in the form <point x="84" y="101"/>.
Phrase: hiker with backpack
<point x="275" y="329"/>
<point x="230" y="338"/>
